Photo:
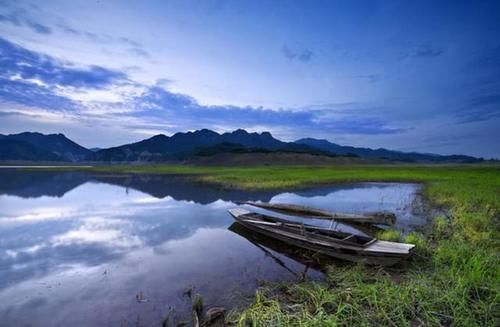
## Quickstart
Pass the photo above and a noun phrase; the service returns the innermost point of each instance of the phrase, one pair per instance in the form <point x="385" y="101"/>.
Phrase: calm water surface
<point x="78" y="249"/>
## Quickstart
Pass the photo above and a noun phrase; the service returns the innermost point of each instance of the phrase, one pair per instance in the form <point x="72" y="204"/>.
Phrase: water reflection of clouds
<point x="361" y="198"/>
<point x="28" y="250"/>
<point x="149" y="199"/>
<point x="162" y="273"/>
<point x="91" y="225"/>
<point x="159" y="245"/>
<point x="366" y="196"/>
<point x="36" y="215"/>
<point x="108" y="222"/>
<point x="113" y="238"/>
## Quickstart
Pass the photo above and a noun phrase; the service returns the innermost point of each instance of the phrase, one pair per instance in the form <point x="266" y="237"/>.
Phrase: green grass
<point x="453" y="278"/>
<point x="390" y="235"/>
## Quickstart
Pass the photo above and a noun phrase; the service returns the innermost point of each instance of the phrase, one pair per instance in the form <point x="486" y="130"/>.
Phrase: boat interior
<point x="298" y="227"/>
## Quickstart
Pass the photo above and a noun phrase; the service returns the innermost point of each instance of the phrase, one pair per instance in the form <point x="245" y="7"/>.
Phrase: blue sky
<point x="413" y="76"/>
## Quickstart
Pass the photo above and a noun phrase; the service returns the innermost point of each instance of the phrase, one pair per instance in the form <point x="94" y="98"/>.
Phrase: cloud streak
<point x="40" y="81"/>
<point x="164" y="105"/>
<point x="21" y="20"/>
<point x="304" y="55"/>
<point x="426" y="50"/>
<point x="20" y="63"/>
<point x="481" y="89"/>
<point x="422" y="51"/>
<point x="19" y="16"/>
<point x="481" y="107"/>
<point x="371" y="78"/>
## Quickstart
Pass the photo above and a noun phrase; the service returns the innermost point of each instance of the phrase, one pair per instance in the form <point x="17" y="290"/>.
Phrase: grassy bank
<point x="453" y="280"/>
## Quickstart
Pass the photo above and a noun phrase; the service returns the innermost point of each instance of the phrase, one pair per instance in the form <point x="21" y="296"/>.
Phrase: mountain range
<point x="40" y="147"/>
<point x="32" y="146"/>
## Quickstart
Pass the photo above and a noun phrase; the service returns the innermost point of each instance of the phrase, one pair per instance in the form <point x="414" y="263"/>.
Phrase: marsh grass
<point x="389" y="235"/>
<point x="440" y="228"/>
<point x="197" y="304"/>
<point x="423" y="247"/>
<point x="454" y="279"/>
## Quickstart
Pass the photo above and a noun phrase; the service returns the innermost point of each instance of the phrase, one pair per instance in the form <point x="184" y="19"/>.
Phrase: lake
<point x="83" y="249"/>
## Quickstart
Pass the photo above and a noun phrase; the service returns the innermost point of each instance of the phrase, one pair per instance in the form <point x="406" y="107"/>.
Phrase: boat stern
<point x="391" y="248"/>
<point x="237" y="212"/>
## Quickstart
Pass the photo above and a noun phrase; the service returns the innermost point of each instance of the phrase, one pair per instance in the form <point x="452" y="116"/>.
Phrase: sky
<point x="406" y="75"/>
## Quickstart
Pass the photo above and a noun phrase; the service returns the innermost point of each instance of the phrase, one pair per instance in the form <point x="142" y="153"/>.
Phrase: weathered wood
<point x="385" y="218"/>
<point x="329" y="242"/>
<point x="272" y="247"/>
<point x="214" y="315"/>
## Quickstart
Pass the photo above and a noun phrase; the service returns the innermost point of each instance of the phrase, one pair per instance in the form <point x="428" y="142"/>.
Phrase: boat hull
<point x="336" y="250"/>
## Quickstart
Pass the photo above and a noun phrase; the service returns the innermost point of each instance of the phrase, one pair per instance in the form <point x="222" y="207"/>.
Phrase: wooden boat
<point x="332" y="243"/>
<point x="384" y="218"/>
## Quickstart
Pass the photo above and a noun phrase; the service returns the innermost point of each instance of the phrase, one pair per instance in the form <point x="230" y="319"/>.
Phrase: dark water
<point x="78" y="249"/>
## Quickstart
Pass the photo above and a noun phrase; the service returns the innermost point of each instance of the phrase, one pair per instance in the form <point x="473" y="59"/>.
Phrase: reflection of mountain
<point x="181" y="188"/>
<point x="33" y="184"/>
<point x="28" y="184"/>
<point x="328" y="189"/>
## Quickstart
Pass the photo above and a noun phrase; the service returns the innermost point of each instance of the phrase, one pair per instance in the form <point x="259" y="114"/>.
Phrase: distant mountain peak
<point x="307" y="139"/>
<point x="54" y="146"/>
<point x="239" y="131"/>
<point x="206" y="130"/>
<point x="38" y="134"/>
<point x="158" y="136"/>
<point x="382" y="153"/>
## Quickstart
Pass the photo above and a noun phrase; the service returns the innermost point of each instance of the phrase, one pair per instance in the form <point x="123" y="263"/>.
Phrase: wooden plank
<point x="385" y="218"/>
